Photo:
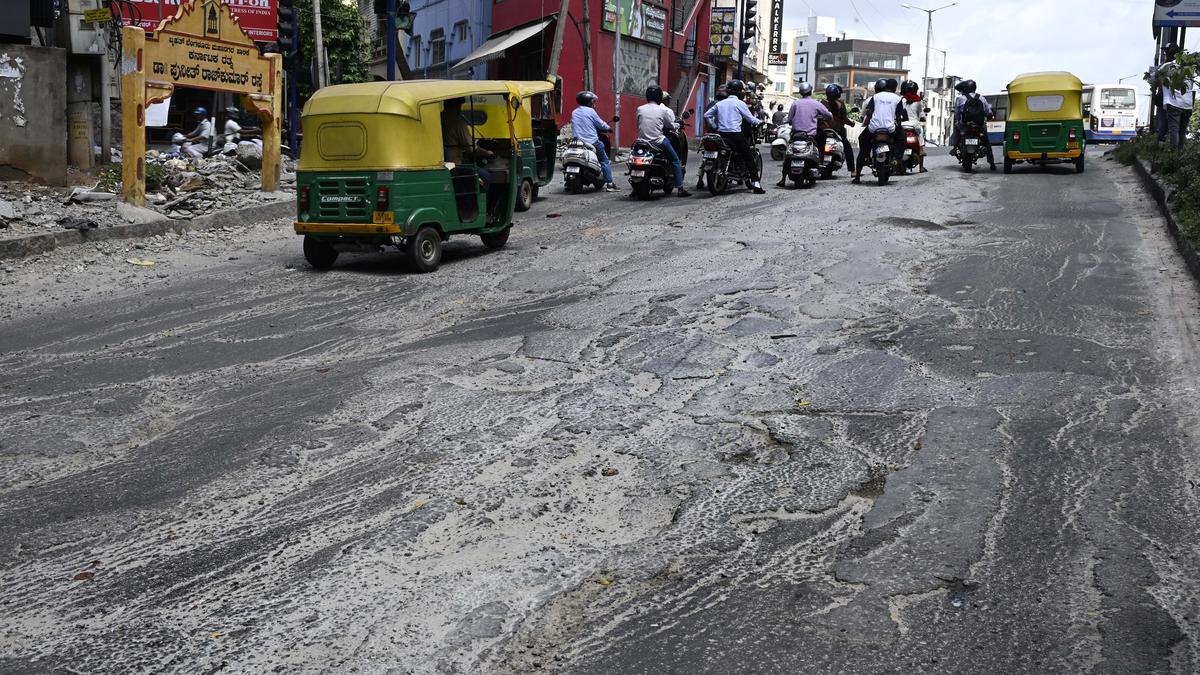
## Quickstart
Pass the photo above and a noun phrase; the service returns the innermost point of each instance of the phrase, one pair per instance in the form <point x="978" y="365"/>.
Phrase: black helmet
<point x="833" y="91"/>
<point x="1171" y="51"/>
<point x="806" y="89"/>
<point x="971" y="86"/>
<point x="880" y="86"/>
<point x="654" y="94"/>
<point x="910" y="87"/>
<point x="586" y="98"/>
<point x="961" y="87"/>
<point x="735" y="88"/>
<point x="722" y="93"/>
<point x="892" y="84"/>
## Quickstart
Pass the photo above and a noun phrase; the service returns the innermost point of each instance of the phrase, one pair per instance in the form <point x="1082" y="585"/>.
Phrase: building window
<point x="437" y="47"/>
<point x="779" y="87"/>
<point x="460" y="31"/>
<point x="414" y="51"/>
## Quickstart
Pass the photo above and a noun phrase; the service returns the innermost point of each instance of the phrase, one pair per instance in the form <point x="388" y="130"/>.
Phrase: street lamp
<point x="1128" y="77"/>
<point x="929" y="30"/>
<point x="945" y="57"/>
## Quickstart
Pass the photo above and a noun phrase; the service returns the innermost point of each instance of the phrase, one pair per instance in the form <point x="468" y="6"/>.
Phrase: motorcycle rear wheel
<point x="777" y="153"/>
<point x="641" y="191"/>
<point x="718" y="183"/>
<point x="968" y="164"/>
<point x="883" y="174"/>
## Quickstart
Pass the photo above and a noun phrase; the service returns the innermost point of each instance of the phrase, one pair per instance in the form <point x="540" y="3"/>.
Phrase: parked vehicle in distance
<point x="997" y="125"/>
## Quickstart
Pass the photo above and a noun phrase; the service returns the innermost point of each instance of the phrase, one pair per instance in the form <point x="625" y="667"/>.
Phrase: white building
<point x="940" y="97"/>
<point x="800" y="47"/>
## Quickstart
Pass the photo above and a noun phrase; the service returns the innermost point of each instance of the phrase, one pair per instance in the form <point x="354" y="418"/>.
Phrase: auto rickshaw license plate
<point x="383" y="217"/>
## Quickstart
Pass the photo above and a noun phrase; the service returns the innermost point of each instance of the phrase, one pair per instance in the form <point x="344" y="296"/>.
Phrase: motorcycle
<point x="881" y="156"/>
<point x="722" y="166"/>
<point x="912" y="147"/>
<point x="971" y="146"/>
<point x="678" y="138"/>
<point x="781" y="142"/>
<point x="649" y="170"/>
<point x="581" y="164"/>
<point x="804" y="160"/>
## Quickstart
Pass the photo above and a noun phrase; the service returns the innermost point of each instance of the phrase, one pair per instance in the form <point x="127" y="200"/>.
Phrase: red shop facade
<point x="662" y="42"/>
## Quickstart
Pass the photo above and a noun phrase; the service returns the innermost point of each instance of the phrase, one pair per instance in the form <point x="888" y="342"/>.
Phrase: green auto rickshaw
<point x="374" y="169"/>
<point x="1045" y="120"/>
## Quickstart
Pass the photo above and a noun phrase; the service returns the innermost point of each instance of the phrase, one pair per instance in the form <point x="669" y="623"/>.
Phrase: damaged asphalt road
<point x="943" y="426"/>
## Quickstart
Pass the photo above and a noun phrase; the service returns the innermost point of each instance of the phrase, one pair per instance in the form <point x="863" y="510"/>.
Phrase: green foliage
<point x="110" y="178"/>
<point x="344" y="33"/>
<point x="1179" y="169"/>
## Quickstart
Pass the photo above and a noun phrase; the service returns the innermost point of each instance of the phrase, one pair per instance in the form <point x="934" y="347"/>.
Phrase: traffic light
<point x="287" y="34"/>
<point x="749" y="25"/>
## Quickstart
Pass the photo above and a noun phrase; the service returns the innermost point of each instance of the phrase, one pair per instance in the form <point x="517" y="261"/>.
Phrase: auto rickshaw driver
<point x="460" y="142"/>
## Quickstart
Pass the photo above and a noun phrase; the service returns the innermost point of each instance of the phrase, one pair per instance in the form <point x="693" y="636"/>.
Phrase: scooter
<point x="783" y="139"/>
<point x="581" y="164"/>
<point x="649" y="170"/>
<point x="912" y="147"/>
<point x="722" y="167"/>
<point x="803" y="160"/>
<point x="834" y="157"/>
<point x="881" y="156"/>
<point x="971" y="146"/>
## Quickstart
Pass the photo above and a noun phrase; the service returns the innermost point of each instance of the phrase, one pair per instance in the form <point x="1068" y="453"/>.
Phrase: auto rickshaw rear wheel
<point x="424" y="249"/>
<point x="319" y="254"/>
<point x="1079" y="165"/>
<point x="524" y="195"/>
<point x="1008" y="165"/>
<point x="496" y="240"/>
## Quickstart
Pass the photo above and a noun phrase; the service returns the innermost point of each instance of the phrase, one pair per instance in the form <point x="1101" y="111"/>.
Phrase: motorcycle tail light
<point x="304" y="198"/>
<point x="912" y="138"/>
<point x="382" y="198"/>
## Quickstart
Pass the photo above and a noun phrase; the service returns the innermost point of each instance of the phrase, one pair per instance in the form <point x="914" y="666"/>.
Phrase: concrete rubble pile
<point x="190" y="187"/>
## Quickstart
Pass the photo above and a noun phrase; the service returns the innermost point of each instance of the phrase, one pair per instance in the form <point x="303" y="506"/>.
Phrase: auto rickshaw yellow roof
<point x="1048" y="81"/>
<point x="406" y="98"/>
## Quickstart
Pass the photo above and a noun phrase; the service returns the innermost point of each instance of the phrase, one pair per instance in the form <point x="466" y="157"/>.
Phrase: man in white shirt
<point x="884" y="112"/>
<point x="196" y="144"/>
<point x="1177" y="104"/>
<point x="653" y="119"/>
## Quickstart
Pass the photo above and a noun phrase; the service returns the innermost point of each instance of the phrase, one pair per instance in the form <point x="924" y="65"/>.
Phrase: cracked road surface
<point x="943" y="426"/>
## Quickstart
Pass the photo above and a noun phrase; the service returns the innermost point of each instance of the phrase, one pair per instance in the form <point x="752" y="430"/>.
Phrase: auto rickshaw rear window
<point x="1052" y="103"/>
<point x="342" y="140"/>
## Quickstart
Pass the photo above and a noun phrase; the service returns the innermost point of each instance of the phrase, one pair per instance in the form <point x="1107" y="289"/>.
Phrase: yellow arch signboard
<point x="202" y="47"/>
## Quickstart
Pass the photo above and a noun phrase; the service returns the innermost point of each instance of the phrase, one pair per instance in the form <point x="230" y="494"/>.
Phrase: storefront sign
<point x="259" y="18"/>
<point x="775" y="53"/>
<point x="102" y="15"/>
<point x="639" y="19"/>
<point x="722" y="35"/>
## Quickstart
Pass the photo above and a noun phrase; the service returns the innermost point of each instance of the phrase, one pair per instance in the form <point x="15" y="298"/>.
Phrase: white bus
<point x="996" y="127"/>
<point x="1110" y="112"/>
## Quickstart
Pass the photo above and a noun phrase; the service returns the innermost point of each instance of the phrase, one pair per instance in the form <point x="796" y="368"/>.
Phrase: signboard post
<point x="1176" y="14"/>
<point x="201" y="47"/>
<point x="775" y="54"/>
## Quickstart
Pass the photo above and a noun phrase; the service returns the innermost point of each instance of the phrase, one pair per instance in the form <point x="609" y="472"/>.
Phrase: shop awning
<point x="494" y="48"/>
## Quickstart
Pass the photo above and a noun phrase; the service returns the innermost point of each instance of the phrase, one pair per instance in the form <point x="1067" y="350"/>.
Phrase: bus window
<point x="1118" y="99"/>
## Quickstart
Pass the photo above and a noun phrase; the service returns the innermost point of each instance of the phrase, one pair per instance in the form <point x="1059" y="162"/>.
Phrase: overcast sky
<point x="990" y="41"/>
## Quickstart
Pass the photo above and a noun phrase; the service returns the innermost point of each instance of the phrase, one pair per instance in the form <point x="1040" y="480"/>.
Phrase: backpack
<point x="974" y="112"/>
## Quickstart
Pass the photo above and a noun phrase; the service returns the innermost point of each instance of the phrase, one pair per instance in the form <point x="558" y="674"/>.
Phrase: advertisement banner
<point x="639" y="19"/>
<point x="258" y="18"/>
<point x="775" y="43"/>
<point x="722" y="32"/>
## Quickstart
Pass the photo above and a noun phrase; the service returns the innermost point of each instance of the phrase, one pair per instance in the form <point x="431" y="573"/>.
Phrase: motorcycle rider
<point x="587" y="125"/>
<point x="841" y="120"/>
<point x="915" y="107"/>
<point x="884" y="112"/>
<point x="803" y="117"/>
<point x="971" y="108"/>
<point x="653" y="120"/>
<point x="779" y="115"/>
<point x="728" y="116"/>
<point x="720" y="95"/>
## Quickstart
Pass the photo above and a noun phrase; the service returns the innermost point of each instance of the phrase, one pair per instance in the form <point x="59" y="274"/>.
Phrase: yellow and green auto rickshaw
<point x="1045" y="120"/>
<point x="375" y="167"/>
<point x="537" y="138"/>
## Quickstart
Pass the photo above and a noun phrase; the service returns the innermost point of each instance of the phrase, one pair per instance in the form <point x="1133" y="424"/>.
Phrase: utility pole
<point x="560" y="34"/>
<point x="319" y="46"/>
<point x="587" y="46"/>
<point x="928" y="39"/>
<point x="105" y="103"/>
<point x="391" y="39"/>
<point x="617" y="84"/>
